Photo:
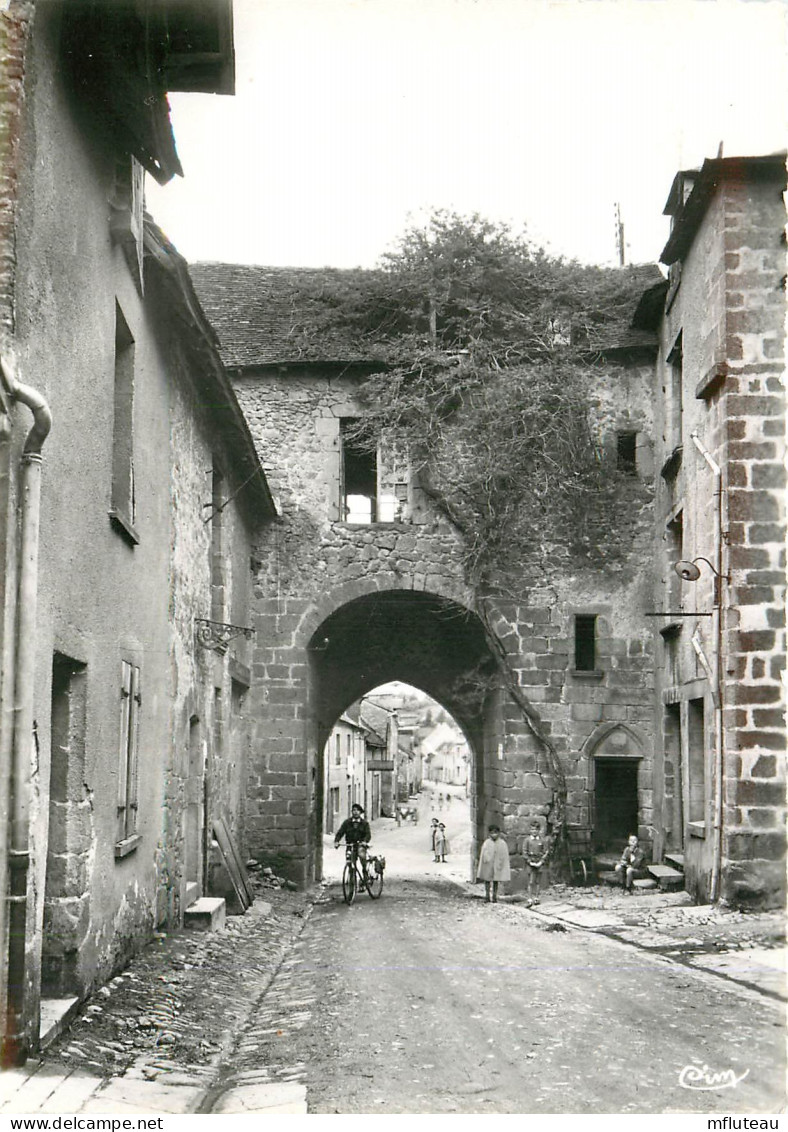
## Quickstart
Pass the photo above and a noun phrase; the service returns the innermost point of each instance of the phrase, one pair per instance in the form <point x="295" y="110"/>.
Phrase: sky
<point x="353" y="118"/>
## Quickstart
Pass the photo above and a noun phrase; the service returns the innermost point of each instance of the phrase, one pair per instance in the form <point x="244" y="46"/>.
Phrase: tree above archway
<point x="487" y="342"/>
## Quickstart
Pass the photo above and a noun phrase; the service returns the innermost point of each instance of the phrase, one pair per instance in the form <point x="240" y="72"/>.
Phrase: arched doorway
<point x="423" y="640"/>
<point x="616" y="761"/>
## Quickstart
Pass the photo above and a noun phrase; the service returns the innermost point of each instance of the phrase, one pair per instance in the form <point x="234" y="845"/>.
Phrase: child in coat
<point x="493" y="864"/>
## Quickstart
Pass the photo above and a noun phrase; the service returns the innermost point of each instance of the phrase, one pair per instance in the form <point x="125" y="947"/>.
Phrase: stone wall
<point x="728" y="309"/>
<point x="342" y="608"/>
<point x="208" y="682"/>
<point x="754" y="640"/>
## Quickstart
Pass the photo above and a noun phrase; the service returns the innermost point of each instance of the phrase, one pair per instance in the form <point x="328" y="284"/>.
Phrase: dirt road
<point x="428" y="1000"/>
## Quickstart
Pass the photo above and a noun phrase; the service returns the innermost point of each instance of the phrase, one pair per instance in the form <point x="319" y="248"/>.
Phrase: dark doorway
<point x="615" y="801"/>
<point x="66" y="894"/>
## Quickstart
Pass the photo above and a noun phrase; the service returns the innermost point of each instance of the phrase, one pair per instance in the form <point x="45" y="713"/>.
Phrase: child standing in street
<point x="535" y="853"/>
<point x="493" y="864"/>
<point x="433" y="831"/>
<point x="440" y="842"/>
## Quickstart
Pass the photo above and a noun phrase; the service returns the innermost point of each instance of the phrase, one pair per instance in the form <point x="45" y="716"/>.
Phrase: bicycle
<point x="359" y="874"/>
<point x="578" y="854"/>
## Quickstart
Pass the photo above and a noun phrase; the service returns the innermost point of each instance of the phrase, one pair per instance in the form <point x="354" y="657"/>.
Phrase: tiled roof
<point x="260" y="313"/>
<point x="269" y="315"/>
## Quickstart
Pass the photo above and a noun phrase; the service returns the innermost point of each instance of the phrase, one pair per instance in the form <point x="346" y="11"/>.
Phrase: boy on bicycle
<point x="355" y="831"/>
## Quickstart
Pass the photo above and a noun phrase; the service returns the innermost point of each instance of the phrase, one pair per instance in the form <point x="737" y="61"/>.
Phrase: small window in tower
<point x="359" y="474"/>
<point x="626" y="453"/>
<point x="585" y="642"/>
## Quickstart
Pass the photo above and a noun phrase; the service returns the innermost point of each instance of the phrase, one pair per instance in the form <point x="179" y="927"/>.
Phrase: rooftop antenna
<point x="620" y="252"/>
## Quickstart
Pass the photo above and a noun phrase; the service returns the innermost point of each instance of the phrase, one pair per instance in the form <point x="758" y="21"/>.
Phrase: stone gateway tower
<point x="361" y="581"/>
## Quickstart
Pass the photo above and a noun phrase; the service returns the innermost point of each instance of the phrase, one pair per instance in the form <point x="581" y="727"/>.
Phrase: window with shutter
<point x="130" y="700"/>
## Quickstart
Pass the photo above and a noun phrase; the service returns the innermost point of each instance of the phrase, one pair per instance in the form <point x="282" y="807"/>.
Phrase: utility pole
<point x="620" y="252"/>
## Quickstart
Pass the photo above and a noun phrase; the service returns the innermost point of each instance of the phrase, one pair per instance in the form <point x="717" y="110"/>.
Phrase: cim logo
<point x="701" y="1077"/>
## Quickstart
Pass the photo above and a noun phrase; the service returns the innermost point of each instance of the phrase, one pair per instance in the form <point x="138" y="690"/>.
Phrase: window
<point x="585" y="642"/>
<point x="338" y="752"/>
<point x="626" y="452"/>
<point x="127" y="205"/>
<point x="359" y="474"/>
<point x="674" y="534"/>
<point x="696" y="761"/>
<point x="122" y="512"/>
<point x="127" y="761"/>
<point x="675" y="408"/>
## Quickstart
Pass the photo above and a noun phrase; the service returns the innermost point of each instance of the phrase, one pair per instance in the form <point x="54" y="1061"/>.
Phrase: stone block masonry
<point x="728" y="315"/>
<point x="342" y="608"/>
<point x="755" y="268"/>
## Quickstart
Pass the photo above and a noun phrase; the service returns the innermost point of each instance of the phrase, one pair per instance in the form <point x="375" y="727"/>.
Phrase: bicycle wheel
<point x="374" y="883"/>
<point x="578" y="871"/>
<point x="349" y="883"/>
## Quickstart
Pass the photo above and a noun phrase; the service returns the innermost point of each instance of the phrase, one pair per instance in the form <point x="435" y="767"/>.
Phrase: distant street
<point x="428" y="1000"/>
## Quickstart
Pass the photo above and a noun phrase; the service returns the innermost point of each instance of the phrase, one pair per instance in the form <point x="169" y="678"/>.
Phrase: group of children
<point x="493" y="867"/>
<point x="439" y="841"/>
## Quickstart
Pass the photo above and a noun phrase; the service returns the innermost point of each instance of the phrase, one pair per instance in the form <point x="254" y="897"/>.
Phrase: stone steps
<point x="669" y="880"/>
<point x="662" y="879"/>
<point x="207" y="914"/>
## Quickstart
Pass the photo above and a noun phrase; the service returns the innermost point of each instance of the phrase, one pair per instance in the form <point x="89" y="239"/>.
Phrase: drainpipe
<point x="23" y="676"/>
<point x="716" y="674"/>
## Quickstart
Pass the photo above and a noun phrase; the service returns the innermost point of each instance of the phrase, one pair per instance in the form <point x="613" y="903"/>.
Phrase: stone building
<point x="347" y="780"/>
<point x="361" y="582"/>
<point x="446" y="754"/>
<point x="720" y="770"/>
<point x="130" y="497"/>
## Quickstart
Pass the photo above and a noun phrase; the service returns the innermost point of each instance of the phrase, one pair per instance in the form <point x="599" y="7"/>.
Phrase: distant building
<point x="446" y="754"/>
<point x="345" y="763"/>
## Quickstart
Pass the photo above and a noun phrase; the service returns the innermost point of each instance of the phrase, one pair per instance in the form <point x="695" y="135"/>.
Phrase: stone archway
<point x="423" y="639"/>
<point x="319" y="659"/>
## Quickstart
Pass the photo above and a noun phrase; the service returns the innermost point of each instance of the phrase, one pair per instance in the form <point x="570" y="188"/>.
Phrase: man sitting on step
<point x="631" y="863"/>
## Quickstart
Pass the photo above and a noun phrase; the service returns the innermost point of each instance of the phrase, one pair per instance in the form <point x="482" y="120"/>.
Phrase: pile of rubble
<point x="264" y="877"/>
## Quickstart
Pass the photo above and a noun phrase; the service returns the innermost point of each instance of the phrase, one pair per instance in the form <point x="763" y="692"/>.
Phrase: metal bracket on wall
<point x="217" y="635"/>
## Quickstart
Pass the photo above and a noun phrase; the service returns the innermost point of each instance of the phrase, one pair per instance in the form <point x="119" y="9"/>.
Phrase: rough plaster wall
<point x="200" y="677"/>
<point x="310" y="562"/>
<point x="90" y="597"/>
<point x="13" y="44"/>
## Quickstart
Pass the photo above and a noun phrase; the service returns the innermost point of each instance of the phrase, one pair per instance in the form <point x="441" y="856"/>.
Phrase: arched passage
<point x="419" y="638"/>
<point x="400" y="755"/>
